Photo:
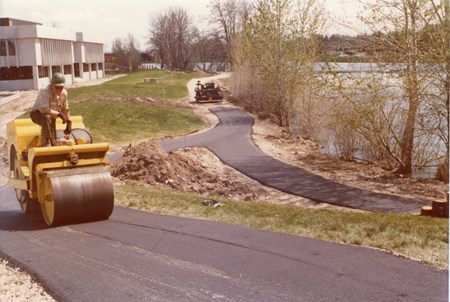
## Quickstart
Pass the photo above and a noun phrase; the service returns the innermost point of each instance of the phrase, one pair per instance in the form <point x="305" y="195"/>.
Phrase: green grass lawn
<point x="423" y="239"/>
<point x="172" y="87"/>
<point x="123" y="122"/>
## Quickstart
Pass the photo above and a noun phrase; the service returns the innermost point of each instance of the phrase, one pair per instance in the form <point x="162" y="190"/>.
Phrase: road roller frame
<point x="207" y="92"/>
<point x="71" y="183"/>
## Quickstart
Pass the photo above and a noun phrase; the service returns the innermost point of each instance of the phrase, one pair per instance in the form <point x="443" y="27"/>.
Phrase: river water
<point x="390" y="75"/>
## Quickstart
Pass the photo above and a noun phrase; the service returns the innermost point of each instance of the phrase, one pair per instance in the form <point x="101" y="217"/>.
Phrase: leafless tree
<point x="279" y="49"/>
<point x="126" y="51"/>
<point x="172" y="33"/>
<point x="401" y="115"/>
<point x="404" y="24"/>
<point x="210" y="52"/>
<point x="228" y="17"/>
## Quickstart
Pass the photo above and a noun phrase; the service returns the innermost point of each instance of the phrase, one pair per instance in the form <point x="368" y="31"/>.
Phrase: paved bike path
<point x="231" y="140"/>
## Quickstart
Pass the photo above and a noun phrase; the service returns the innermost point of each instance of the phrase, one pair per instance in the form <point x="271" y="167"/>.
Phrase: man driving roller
<point x="51" y="103"/>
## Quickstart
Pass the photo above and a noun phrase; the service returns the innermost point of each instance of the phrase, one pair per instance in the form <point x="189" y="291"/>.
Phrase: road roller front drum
<point x="76" y="195"/>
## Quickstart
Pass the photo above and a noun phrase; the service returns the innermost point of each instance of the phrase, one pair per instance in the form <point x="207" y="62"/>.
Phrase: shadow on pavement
<point x="17" y="221"/>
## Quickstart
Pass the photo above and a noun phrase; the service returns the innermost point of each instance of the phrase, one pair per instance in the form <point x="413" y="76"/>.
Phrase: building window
<point x="93" y="67"/>
<point x="5" y="74"/>
<point x="56" y="69"/>
<point x="11" y="47"/>
<point x="43" y="71"/>
<point x="76" y="69"/>
<point x="24" y="73"/>
<point x="85" y="67"/>
<point x="100" y="66"/>
<point x="16" y="73"/>
<point x="67" y="69"/>
<point x="2" y="48"/>
<point x="7" y="48"/>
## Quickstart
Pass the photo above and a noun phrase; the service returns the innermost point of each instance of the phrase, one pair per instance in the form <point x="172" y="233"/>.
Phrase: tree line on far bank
<point x="399" y="118"/>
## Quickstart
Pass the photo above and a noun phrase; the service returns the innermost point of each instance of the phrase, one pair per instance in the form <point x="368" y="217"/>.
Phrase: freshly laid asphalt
<point x="231" y="140"/>
<point x="142" y="256"/>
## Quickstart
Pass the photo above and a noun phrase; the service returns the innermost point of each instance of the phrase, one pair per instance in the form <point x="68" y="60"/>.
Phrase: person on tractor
<point x="51" y="103"/>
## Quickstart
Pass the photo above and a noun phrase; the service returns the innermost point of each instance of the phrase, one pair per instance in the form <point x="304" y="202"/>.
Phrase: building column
<point x="37" y="60"/>
<point x="35" y="76"/>
<point x="81" y="70"/>
<point x="73" y="73"/>
<point x="72" y="62"/>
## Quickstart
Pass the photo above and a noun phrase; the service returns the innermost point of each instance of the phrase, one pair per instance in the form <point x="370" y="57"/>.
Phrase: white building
<point x="30" y="53"/>
<point x="150" y="66"/>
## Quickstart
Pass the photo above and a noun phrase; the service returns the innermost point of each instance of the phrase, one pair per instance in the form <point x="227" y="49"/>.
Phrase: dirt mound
<point x="200" y="73"/>
<point x="148" y="163"/>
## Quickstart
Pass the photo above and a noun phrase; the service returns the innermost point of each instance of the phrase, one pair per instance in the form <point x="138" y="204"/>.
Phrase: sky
<point x="106" y="20"/>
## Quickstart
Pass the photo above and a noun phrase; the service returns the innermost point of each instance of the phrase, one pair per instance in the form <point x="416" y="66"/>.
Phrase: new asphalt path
<point x="231" y="140"/>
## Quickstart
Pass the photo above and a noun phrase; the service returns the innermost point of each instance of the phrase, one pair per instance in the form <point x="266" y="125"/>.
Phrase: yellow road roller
<point x="71" y="181"/>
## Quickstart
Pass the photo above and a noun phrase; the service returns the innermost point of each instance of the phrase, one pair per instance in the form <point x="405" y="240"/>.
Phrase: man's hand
<point x="68" y="129"/>
<point x="63" y="117"/>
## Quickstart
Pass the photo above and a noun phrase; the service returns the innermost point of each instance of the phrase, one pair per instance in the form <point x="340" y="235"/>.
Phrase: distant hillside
<point x="343" y="46"/>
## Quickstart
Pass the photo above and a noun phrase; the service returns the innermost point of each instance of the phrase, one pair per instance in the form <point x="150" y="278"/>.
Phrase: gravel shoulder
<point x="16" y="285"/>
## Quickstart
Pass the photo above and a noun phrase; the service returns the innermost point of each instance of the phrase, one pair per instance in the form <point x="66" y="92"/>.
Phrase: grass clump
<point x="423" y="239"/>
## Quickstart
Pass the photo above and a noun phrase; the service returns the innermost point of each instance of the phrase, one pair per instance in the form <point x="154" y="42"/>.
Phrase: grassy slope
<point x="173" y="86"/>
<point x="122" y="122"/>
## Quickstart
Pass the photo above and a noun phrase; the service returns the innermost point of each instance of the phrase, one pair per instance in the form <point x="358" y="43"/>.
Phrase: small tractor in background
<point x="71" y="181"/>
<point x="207" y="92"/>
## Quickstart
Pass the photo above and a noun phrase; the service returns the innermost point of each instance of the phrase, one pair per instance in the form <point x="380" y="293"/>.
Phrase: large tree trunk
<point x="408" y="136"/>
<point x="443" y="170"/>
<point x="412" y="89"/>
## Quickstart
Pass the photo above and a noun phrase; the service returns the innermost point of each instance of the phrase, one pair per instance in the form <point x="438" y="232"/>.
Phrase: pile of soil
<point x="200" y="73"/>
<point x="147" y="163"/>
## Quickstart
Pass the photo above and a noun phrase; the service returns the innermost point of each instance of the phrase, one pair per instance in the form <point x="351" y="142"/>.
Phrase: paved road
<point x="231" y="141"/>
<point x="140" y="256"/>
